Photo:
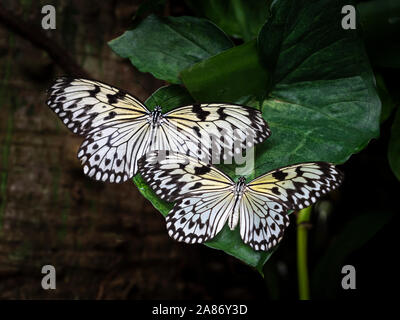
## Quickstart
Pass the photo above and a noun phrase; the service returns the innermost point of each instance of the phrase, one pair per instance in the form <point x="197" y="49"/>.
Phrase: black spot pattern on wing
<point x="200" y="113"/>
<point x="279" y="175"/>
<point x="202" y="170"/>
<point x="221" y="113"/>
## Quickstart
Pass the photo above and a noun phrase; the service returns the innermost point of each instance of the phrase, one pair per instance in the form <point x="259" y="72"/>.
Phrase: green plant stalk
<point x="303" y="217"/>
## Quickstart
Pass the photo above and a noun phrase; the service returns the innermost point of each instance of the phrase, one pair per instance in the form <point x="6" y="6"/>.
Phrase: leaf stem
<point x="303" y="217"/>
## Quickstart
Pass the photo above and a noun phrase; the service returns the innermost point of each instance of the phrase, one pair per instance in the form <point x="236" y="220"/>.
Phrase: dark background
<point x="105" y="240"/>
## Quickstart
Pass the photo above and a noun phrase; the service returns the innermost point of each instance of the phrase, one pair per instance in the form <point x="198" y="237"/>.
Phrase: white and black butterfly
<point x="119" y="129"/>
<point x="206" y="198"/>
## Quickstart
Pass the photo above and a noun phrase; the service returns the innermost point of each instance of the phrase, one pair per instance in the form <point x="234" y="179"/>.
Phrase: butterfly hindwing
<point x="263" y="220"/>
<point x="197" y="219"/>
<point x="111" y="155"/>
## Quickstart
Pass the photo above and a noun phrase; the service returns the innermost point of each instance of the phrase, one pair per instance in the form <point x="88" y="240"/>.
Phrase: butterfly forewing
<point x="298" y="186"/>
<point x="224" y="129"/>
<point x="174" y="176"/>
<point x="85" y="105"/>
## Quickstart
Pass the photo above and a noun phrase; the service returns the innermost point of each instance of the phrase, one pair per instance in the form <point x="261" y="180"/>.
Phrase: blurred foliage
<point x="238" y="18"/>
<point x="207" y="80"/>
<point x="380" y="22"/>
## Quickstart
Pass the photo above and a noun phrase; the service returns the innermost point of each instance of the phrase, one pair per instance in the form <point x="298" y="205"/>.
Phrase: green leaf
<point x="238" y="18"/>
<point x="227" y="76"/>
<point x="323" y="104"/>
<point x="326" y="120"/>
<point x="165" y="46"/>
<point x="353" y="236"/>
<point x="394" y="146"/>
<point x="231" y="242"/>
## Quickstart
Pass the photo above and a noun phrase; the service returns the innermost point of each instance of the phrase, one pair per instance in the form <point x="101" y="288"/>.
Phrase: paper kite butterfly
<point x="118" y="129"/>
<point x="206" y="199"/>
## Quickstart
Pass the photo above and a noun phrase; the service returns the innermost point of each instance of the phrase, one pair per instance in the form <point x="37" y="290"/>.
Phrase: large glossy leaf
<point x="322" y="103"/>
<point x="165" y="46"/>
<point x="238" y="18"/>
<point x="394" y="146"/>
<point x="228" y="76"/>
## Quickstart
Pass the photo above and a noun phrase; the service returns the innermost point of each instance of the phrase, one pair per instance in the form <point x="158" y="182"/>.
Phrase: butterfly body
<point x="156" y="117"/>
<point x="239" y="190"/>
<point x="118" y="129"/>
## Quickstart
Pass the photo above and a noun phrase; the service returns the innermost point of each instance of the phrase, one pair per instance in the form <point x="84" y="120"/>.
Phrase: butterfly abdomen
<point x="240" y="187"/>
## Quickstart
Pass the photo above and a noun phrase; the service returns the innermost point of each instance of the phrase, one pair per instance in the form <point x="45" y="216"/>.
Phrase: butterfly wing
<point x="167" y="137"/>
<point x="203" y="194"/>
<point x="174" y="176"/>
<point x="113" y="122"/>
<point x="111" y="154"/>
<point x="224" y="128"/>
<point x="266" y="200"/>
<point x="85" y="105"/>
<point x="263" y="220"/>
<point x="300" y="185"/>
<point x="197" y="219"/>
